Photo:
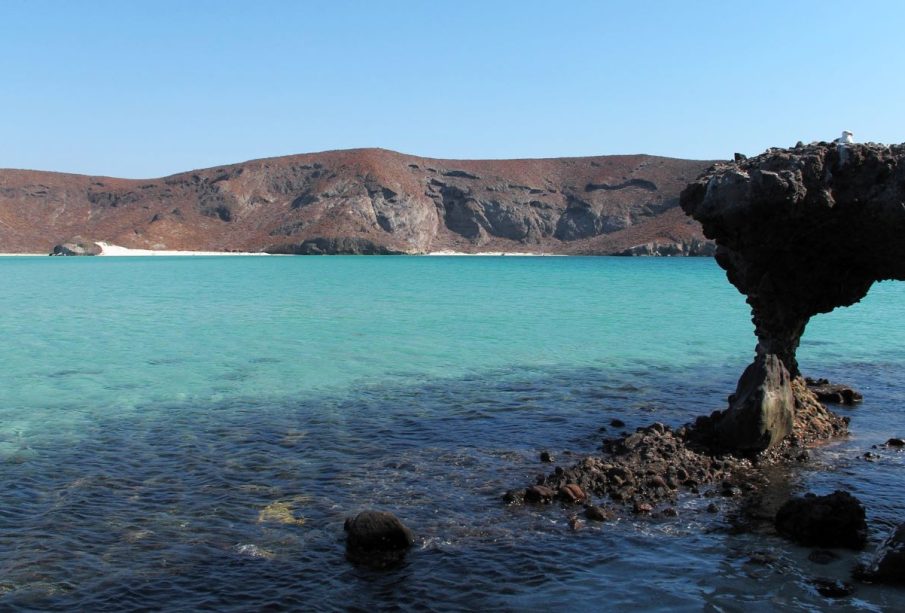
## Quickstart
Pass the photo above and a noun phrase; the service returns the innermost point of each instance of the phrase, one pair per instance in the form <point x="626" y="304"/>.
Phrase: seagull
<point x="845" y="139"/>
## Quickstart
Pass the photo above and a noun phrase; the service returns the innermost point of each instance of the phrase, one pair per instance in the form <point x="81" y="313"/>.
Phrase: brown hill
<point x="366" y="201"/>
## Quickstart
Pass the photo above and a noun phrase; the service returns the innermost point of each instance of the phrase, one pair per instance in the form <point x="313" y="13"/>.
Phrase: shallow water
<point x="190" y="433"/>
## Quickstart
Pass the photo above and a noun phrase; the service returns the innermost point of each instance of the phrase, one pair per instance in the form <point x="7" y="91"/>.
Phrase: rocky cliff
<point x="799" y="232"/>
<point x="366" y="201"/>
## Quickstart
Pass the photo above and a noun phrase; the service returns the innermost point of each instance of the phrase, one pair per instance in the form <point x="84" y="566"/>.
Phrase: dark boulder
<point x="835" y="520"/>
<point x="377" y="538"/>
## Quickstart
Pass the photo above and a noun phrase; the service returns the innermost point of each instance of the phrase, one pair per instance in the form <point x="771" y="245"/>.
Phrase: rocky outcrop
<point x="76" y="246"/>
<point x="799" y="232"/>
<point x="368" y="201"/>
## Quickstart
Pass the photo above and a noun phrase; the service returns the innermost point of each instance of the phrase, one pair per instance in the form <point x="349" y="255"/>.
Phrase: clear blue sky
<point x="143" y="89"/>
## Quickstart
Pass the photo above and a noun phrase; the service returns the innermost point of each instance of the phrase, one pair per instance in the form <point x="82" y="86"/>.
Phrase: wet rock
<point x="516" y="496"/>
<point x="888" y="563"/>
<point x="377" y="538"/>
<point x="575" y="524"/>
<point x="832" y="392"/>
<point x="539" y="493"/>
<point x="712" y="508"/>
<point x="670" y="512"/>
<point x="595" y="513"/>
<point x="836" y="520"/>
<point x="546" y="456"/>
<point x="617" y="423"/>
<point x="833" y="588"/>
<point x="572" y="494"/>
<point x="642" y="508"/>
<point x="895" y="442"/>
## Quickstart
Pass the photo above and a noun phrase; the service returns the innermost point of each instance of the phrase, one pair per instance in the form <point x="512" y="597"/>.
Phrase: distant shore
<point x="108" y="249"/>
<point x="487" y="253"/>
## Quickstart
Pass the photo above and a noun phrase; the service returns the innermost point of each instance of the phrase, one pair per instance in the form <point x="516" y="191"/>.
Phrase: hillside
<point x="366" y="201"/>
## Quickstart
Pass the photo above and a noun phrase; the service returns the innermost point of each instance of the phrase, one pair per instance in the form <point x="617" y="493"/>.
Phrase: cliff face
<point x="800" y="232"/>
<point x="366" y="201"/>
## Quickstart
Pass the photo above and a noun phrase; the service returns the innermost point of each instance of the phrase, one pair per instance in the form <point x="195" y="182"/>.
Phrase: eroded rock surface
<point x="799" y="232"/>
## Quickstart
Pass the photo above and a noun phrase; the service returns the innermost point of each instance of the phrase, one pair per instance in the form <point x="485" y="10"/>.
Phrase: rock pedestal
<point x="762" y="410"/>
<point x="799" y="232"/>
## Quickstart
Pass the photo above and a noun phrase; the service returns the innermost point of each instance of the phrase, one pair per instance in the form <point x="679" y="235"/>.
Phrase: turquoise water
<point x="152" y="408"/>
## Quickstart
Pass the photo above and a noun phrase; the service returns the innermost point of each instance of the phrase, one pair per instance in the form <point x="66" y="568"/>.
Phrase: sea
<point x="189" y="433"/>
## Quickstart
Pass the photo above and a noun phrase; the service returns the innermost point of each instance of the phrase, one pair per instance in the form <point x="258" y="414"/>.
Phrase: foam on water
<point x="193" y="431"/>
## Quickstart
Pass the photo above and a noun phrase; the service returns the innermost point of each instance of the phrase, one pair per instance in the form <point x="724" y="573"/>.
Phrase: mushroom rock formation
<point x="799" y="231"/>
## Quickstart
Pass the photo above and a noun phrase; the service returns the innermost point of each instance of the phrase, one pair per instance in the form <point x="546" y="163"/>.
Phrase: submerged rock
<point x="832" y="588"/>
<point x="377" y="538"/>
<point x="835" y="520"/>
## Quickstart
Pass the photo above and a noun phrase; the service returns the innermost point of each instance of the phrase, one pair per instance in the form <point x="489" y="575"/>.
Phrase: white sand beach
<point x="115" y="250"/>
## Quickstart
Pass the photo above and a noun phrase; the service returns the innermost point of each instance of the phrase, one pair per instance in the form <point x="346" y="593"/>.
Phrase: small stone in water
<point x="572" y="493"/>
<point x="895" y="442"/>
<point x="833" y="588"/>
<point x="538" y="493"/>
<point x="546" y="456"/>
<point x="596" y="513"/>
<point x="617" y="423"/>
<point x="822" y="556"/>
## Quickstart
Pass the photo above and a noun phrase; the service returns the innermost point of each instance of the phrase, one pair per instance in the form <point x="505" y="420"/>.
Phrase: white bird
<point x="846" y="138"/>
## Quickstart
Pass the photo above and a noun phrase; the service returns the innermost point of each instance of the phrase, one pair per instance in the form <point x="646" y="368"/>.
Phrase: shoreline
<point x="490" y="253"/>
<point x="110" y="250"/>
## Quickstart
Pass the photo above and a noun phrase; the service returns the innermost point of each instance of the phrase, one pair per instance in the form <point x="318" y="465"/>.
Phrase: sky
<point x="144" y="89"/>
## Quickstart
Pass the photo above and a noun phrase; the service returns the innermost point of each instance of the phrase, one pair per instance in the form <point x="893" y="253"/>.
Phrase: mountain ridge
<point x="368" y="200"/>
